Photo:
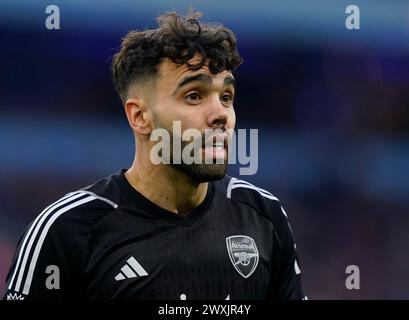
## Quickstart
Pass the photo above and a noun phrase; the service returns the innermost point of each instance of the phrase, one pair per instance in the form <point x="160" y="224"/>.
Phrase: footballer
<point x="170" y="230"/>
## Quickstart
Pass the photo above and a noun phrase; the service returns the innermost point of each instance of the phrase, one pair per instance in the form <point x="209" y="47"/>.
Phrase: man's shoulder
<point x="81" y="209"/>
<point x="59" y="235"/>
<point x="245" y="193"/>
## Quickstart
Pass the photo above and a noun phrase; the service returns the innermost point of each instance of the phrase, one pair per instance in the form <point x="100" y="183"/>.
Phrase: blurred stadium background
<point x="331" y="106"/>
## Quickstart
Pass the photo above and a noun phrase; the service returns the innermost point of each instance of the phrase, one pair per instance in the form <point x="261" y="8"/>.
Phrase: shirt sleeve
<point x="42" y="266"/>
<point x="286" y="282"/>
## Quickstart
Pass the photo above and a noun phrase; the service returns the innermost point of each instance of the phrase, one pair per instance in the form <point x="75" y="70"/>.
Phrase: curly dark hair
<point x="179" y="39"/>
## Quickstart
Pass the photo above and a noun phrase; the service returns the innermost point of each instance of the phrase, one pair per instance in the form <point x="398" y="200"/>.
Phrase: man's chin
<point x="203" y="172"/>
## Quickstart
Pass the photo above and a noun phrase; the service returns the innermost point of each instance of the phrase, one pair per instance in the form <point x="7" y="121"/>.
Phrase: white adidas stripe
<point x="236" y="183"/>
<point x="137" y="267"/>
<point x="34" y="231"/>
<point x="268" y="196"/>
<point x="113" y="204"/>
<point x="129" y="273"/>
<point x="34" y="259"/>
<point x="296" y="267"/>
<point x="285" y="213"/>
<point x="60" y="202"/>
<point x="228" y="195"/>
<point x="120" y="277"/>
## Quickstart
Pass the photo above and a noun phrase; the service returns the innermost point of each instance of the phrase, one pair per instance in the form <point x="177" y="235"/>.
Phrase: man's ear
<point x="138" y="115"/>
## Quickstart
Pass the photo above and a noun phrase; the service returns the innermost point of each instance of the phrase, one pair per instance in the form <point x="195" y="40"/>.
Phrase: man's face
<point x="199" y="100"/>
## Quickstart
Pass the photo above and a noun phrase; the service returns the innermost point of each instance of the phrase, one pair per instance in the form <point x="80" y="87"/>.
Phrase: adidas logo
<point x="132" y="269"/>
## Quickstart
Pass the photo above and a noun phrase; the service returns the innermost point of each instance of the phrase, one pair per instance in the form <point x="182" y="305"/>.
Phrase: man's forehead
<point x="177" y="72"/>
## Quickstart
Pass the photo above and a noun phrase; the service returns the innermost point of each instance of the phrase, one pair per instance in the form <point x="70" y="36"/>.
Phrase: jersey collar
<point x="140" y="203"/>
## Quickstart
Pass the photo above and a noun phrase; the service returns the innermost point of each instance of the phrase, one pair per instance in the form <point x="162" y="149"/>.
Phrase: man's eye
<point x="227" y="98"/>
<point x="193" y="97"/>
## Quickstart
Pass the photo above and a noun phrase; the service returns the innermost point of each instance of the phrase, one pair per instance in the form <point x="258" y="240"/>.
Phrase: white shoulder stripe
<point x="245" y="185"/>
<point x="237" y="183"/>
<point x="54" y="217"/>
<point x="258" y="190"/>
<point x="113" y="204"/>
<point x="296" y="267"/>
<point x="285" y="213"/>
<point x="229" y="188"/>
<point x="31" y="234"/>
<point x="80" y="197"/>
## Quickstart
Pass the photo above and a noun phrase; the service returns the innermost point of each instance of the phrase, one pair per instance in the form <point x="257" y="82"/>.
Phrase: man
<point x="169" y="230"/>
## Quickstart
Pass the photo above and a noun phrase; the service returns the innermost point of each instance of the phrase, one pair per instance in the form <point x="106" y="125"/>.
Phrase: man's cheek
<point x="231" y="123"/>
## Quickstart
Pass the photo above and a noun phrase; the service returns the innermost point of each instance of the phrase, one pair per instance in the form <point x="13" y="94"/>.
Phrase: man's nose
<point x="218" y="114"/>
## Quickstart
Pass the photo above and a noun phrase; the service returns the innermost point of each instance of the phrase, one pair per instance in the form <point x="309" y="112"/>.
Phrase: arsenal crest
<point x="243" y="254"/>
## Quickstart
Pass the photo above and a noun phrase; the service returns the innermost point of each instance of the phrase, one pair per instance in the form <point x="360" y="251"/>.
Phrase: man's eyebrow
<point x="229" y="80"/>
<point x="201" y="77"/>
<point x="205" y="79"/>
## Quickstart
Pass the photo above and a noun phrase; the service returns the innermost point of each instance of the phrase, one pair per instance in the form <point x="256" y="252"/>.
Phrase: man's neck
<point x="167" y="187"/>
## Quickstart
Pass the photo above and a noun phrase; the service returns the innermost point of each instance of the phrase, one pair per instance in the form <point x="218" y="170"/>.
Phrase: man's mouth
<point x="219" y="142"/>
<point x="216" y="146"/>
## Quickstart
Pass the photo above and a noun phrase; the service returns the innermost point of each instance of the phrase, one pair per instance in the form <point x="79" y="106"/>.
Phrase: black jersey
<point x="108" y="241"/>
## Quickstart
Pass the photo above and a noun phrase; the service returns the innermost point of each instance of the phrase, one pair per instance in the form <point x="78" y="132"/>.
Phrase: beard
<point x="202" y="172"/>
<point x="198" y="172"/>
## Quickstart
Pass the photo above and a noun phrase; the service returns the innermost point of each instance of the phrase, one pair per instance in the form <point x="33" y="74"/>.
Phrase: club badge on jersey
<point x="243" y="254"/>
